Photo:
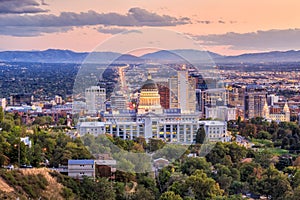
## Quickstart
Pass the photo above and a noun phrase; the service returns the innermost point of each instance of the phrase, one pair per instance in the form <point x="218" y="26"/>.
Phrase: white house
<point x="80" y="168"/>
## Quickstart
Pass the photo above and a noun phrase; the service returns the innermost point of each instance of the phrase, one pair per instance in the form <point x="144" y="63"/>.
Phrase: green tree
<point x="263" y="158"/>
<point x="264" y="135"/>
<point x="190" y="165"/>
<point x="170" y="196"/>
<point x="156" y="144"/>
<point x="200" y="136"/>
<point x="1" y="114"/>
<point x="274" y="183"/>
<point x="203" y="187"/>
<point x="99" y="189"/>
<point x="143" y="194"/>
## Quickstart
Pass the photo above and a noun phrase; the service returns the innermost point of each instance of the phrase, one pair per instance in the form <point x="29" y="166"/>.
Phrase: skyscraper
<point x="255" y="99"/>
<point x="118" y="101"/>
<point x="95" y="98"/>
<point x="164" y="93"/>
<point x="183" y="92"/>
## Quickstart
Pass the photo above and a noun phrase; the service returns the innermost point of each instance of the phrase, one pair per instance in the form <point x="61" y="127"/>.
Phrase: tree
<point x="200" y="136"/>
<point x="264" y="135"/>
<point x="263" y="158"/>
<point x="170" y="196"/>
<point x="203" y="187"/>
<point x="217" y="153"/>
<point x="1" y="114"/>
<point x="274" y="183"/>
<point x="190" y="165"/>
<point x="296" y="194"/>
<point x="156" y="144"/>
<point x="297" y="162"/>
<point x="143" y="194"/>
<point x="99" y="189"/>
<point x="296" y="179"/>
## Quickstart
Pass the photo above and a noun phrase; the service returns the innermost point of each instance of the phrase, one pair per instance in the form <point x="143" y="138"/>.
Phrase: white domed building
<point x="149" y="100"/>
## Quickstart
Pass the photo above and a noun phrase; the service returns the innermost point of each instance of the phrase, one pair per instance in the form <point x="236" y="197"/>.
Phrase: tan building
<point x="278" y="114"/>
<point x="149" y="100"/>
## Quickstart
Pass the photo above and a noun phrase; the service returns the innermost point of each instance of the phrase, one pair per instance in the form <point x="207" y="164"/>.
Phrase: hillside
<point x="163" y="56"/>
<point x="29" y="184"/>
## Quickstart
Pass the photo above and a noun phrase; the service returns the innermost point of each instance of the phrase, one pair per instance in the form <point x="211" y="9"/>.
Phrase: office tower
<point x="173" y="87"/>
<point x="164" y="92"/>
<point x="213" y="98"/>
<point x="182" y="92"/>
<point x="271" y="99"/>
<point x="118" y="101"/>
<point x="236" y="96"/>
<point x="95" y="98"/>
<point x="198" y="100"/>
<point x="255" y="98"/>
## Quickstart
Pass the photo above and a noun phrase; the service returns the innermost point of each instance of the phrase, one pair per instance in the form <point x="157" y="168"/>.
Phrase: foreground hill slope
<point x="29" y="184"/>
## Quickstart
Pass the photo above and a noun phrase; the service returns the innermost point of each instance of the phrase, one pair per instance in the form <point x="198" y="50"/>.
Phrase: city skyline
<point x="217" y="26"/>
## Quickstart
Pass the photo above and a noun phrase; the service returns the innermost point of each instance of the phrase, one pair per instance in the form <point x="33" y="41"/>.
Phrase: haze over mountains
<point x="194" y="56"/>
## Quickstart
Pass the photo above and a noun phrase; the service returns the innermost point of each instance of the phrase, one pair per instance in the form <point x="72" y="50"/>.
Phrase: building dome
<point x="149" y="100"/>
<point x="149" y="84"/>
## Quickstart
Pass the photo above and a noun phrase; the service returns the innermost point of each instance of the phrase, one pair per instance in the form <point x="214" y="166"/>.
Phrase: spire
<point x="149" y="76"/>
<point x="286" y="108"/>
<point x="266" y="112"/>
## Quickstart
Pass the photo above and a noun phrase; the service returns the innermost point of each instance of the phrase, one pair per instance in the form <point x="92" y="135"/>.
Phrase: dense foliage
<point x="271" y="168"/>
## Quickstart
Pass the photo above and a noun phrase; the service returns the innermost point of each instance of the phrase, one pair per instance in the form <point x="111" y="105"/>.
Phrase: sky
<point x="228" y="27"/>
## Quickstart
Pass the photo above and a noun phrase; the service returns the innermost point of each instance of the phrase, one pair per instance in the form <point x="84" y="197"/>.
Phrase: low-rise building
<point x="220" y="112"/>
<point x="80" y="168"/>
<point x="92" y="168"/>
<point x="95" y="128"/>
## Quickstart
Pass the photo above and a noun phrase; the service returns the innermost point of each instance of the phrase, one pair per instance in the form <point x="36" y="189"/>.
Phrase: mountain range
<point x="172" y="56"/>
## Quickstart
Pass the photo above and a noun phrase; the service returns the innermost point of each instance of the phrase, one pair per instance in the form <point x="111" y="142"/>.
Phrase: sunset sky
<point x="227" y="27"/>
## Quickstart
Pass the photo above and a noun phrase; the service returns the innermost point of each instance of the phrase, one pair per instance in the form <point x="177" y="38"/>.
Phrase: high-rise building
<point x="213" y="98"/>
<point x="198" y="100"/>
<point x="271" y="99"/>
<point x="255" y="98"/>
<point x="95" y="98"/>
<point x="164" y="93"/>
<point x="236" y="96"/>
<point x="173" y="87"/>
<point x="118" y="101"/>
<point x="183" y="92"/>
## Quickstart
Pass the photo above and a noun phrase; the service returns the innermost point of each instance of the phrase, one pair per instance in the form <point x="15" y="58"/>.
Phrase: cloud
<point x="32" y="31"/>
<point x="259" y="40"/>
<point x="107" y="30"/>
<point x="135" y="17"/>
<point x="204" y="22"/>
<point x="115" y="30"/>
<point x="20" y="6"/>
